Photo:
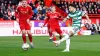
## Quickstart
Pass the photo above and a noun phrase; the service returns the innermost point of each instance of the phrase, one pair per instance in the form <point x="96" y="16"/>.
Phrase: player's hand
<point x="28" y="21"/>
<point x="17" y="20"/>
<point x="64" y="20"/>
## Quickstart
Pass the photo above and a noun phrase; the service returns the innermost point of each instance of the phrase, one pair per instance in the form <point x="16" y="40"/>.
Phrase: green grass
<point x="80" y="46"/>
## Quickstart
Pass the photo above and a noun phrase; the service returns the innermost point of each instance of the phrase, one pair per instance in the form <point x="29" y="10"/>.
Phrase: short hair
<point x="72" y="5"/>
<point x="24" y="0"/>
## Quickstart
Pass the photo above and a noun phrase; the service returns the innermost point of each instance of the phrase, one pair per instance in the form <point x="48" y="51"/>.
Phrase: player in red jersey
<point x="52" y="20"/>
<point x="23" y="14"/>
<point x="48" y="26"/>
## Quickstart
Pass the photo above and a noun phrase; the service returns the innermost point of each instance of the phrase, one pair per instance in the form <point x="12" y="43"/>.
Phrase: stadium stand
<point x="8" y="7"/>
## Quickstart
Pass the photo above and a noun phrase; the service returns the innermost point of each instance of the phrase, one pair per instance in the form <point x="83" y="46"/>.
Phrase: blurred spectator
<point x="67" y="10"/>
<point x="15" y="2"/>
<point x="5" y="16"/>
<point x="1" y="16"/>
<point x="42" y="17"/>
<point x="39" y="8"/>
<point x="35" y="13"/>
<point x="44" y="10"/>
<point x="1" y="1"/>
<point x="58" y="4"/>
<point x="2" y="7"/>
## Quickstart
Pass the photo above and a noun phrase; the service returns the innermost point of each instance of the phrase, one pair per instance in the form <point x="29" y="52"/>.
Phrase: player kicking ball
<point x="76" y="18"/>
<point x="52" y="21"/>
<point x="23" y="15"/>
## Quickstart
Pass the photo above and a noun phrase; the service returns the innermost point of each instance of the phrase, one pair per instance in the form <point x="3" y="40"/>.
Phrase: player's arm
<point x="86" y="15"/>
<point x="30" y="15"/>
<point x="30" y="12"/>
<point x="46" y="19"/>
<point x="45" y="22"/>
<point x="17" y="14"/>
<point x="65" y="19"/>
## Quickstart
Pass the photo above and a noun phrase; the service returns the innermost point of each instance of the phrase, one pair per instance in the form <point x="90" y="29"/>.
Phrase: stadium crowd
<point x="8" y="8"/>
<point x="95" y="28"/>
<point x="90" y="7"/>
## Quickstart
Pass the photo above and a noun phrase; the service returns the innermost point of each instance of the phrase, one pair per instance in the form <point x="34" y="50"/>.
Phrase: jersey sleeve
<point x="45" y="21"/>
<point x="47" y="14"/>
<point x="30" y="12"/>
<point x="47" y="18"/>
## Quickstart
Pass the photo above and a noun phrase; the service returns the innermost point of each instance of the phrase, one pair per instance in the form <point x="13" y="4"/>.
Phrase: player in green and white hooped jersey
<point x="76" y="18"/>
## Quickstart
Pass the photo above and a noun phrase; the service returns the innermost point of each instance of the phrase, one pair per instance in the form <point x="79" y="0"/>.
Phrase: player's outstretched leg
<point x="67" y="38"/>
<point x="67" y="46"/>
<point x="30" y="39"/>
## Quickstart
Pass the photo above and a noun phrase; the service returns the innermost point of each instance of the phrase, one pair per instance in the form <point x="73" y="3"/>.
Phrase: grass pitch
<point x="80" y="46"/>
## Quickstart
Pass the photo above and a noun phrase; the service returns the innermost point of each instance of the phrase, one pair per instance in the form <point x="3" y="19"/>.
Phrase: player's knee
<point x="71" y="34"/>
<point x="28" y="32"/>
<point x="23" y="32"/>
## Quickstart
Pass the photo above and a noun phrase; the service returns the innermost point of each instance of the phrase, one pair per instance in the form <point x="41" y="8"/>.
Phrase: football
<point x="25" y="47"/>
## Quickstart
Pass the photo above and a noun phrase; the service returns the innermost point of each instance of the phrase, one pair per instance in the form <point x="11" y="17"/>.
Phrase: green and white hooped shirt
<point x="76" y="18"/>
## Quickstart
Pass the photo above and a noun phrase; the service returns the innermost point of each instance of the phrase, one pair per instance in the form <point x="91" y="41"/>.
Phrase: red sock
<point x="54" y="39"/>
<point x="24" y="38"/>
<point x="30" y="37"/>
<point x="50" y="34"/>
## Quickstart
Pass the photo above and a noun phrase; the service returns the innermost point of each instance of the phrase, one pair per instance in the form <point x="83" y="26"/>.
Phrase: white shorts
<point x="75" y="29"/>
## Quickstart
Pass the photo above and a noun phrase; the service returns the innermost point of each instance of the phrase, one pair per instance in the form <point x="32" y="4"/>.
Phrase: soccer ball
<point x="25" y="46"/>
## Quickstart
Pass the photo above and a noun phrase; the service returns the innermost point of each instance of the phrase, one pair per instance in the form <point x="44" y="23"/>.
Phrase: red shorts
<point x="56" y="29"/>
<point x="24" y="25"/>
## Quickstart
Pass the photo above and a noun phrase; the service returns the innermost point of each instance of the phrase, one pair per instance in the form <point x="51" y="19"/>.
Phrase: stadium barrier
<point x="11" y="28"/>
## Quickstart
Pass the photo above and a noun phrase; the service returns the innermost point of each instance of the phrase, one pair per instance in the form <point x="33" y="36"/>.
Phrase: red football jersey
<point x="24" y="13"/>
<point x="46" y="21"/>
<point x="53" y="18"/>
